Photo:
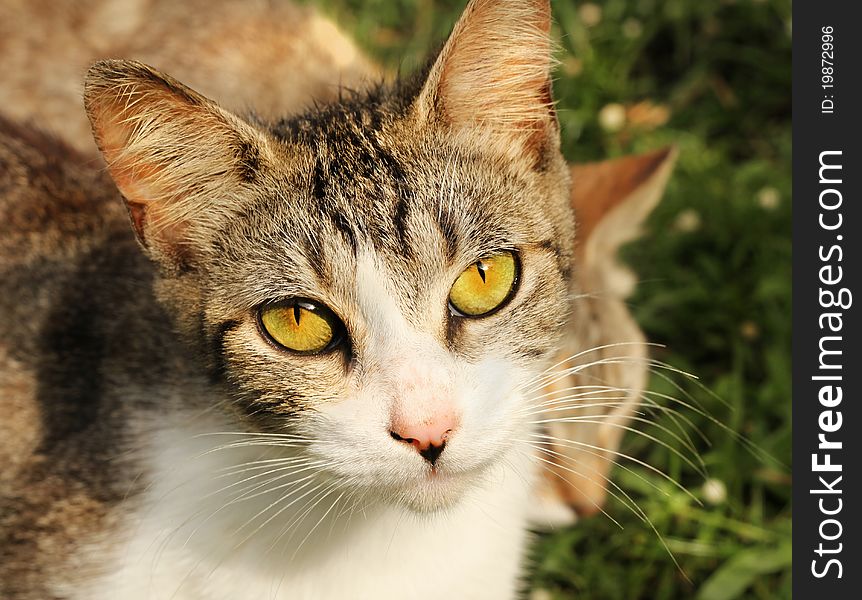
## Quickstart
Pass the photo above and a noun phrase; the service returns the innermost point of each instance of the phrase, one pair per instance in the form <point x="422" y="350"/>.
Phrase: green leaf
<point x="738" y="573"/>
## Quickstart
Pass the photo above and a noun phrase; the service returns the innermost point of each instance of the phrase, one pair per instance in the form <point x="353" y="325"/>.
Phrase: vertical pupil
<point x="481" y="268"/>
<point x="296" y="312"/>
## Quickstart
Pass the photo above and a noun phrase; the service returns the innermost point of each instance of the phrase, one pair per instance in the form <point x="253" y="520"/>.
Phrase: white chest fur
<point x="182" y="541"/>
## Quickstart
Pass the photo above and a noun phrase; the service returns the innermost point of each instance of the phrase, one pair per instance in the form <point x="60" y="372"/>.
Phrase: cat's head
<point x="384" y="276"/>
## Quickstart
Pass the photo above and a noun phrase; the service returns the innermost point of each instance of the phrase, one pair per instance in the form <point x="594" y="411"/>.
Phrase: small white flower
<point x="768" y="198"/>
<point x="714" y="491"/>
<point x="687" y="221"/>
<point x="612" y="117"/>
<point x="591" y="14"/>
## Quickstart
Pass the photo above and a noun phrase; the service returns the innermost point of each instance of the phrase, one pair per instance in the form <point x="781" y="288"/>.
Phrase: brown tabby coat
<point x="64" y="284"/>
<point x="67" y="338"/>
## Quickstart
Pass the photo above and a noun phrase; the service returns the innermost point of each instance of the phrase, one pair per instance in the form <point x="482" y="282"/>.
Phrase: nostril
<point x="406" y="440"/>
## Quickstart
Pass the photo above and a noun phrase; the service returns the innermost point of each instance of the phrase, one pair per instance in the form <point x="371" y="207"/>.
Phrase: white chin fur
<point x="180" y="541"/>
<point x="432" y="493"/>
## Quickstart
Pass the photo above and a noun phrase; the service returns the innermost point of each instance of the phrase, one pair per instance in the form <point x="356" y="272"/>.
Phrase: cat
<point x="410" y="427"/>
<point x="279" y="57"/>
<point x="276" y="57"/>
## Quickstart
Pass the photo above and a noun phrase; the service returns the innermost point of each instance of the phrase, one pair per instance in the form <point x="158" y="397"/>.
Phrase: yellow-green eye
<point x="301" y="325"/>
<point x="485" y="285"/>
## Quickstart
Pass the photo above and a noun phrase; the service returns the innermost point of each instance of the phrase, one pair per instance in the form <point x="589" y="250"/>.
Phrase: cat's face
<point x="383" y="277"/>
<point x="377" y="255"/>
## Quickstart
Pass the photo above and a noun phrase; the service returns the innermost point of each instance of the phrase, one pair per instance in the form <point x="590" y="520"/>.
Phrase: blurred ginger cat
<point x="343" y="340"/>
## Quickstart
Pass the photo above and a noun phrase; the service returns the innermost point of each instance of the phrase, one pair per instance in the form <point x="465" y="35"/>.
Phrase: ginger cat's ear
<point x="611" y="199"/>
<point x="177" y="158"/>
<point x="493" y="77"/>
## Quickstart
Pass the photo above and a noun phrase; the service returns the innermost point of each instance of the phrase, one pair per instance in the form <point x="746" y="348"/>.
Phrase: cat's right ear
<point x="178" y="159"/>
<point x="492" y="79"/>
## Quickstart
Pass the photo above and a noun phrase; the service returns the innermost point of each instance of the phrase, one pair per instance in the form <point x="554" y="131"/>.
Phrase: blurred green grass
<point x="714" y="267"/>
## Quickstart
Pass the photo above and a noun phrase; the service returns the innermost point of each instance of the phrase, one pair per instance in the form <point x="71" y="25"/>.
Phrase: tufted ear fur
<point x="611" y="200"/>
<point x="493" y="76"/>
<point x="178" y="159"/>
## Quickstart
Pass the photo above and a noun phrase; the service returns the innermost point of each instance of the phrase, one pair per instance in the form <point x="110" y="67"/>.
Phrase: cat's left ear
<point x="493" y="77"/>
<point x="180" y="161"/>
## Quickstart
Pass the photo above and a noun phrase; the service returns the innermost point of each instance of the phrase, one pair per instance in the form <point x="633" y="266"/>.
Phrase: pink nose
<point x="429" y="437"/>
